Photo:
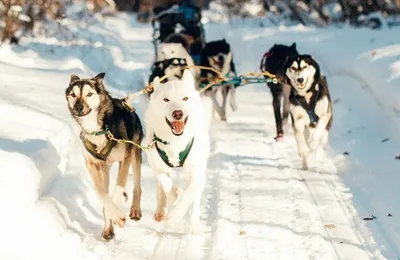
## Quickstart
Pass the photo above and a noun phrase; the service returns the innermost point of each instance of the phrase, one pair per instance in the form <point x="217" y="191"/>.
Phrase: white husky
<point x="176" y="50"/>
<point x="175" y="123"/>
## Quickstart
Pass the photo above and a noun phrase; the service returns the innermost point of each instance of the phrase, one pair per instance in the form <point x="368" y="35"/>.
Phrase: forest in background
<point x="19" y="18"/>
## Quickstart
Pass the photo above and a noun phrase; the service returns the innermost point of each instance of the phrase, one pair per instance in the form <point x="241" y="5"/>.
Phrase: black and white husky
<point x="99" y="114"/>
<point x="218" y="55"/>
<point x="273" y="61"/>
<point x="310" y="104"/>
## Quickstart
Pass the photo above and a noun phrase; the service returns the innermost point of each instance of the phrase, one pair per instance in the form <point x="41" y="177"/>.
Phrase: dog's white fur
<point x="176" y="50"/>
<point x="196" y="163"/>
<point x="316" y="137"/>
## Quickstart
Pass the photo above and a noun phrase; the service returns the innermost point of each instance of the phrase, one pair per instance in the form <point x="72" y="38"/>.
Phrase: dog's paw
<point x="135" y="213"/>
<point x="160" y="214"/>
<point x="108" y="234"/>
<point x="119" y="197"/>
<point x="174" y="194"/>
<point x="279" y="138"/>
<point x="304" y="151"/>
<point x="116" y="215"/>
<point x="313" y="144"/>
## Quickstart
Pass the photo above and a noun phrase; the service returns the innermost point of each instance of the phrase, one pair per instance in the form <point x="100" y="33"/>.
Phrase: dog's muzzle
<point x="79" y="110"/>
<point x="301" y="84"/>
<point x="219" y="61"/>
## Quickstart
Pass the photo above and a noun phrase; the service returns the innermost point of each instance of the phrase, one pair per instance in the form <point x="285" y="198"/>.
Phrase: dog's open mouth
<point x="302" y="85"/>
<point x="177" y="127"/>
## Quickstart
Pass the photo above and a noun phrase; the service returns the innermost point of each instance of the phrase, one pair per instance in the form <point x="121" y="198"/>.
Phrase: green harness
<point x="182" y="155"/>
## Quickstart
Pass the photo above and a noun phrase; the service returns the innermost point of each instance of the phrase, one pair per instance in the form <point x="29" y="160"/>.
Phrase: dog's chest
<point x="90" y="123"/>
<point x="320" y="108"/>
<point x="117" y="153"/>
<point x="175" y="153"/>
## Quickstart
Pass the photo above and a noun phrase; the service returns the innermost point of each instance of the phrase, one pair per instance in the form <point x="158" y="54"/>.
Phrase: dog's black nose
<point x="300" y="80"/>
<point x="177" y="114"/>
<point x="220" y="58"/>
<point x="78" y="107"/>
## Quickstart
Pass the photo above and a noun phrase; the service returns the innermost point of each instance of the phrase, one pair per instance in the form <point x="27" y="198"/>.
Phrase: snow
<point x="257" y="203"/>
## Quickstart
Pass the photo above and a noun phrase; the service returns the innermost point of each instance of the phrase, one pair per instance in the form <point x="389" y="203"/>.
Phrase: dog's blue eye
<point x="166" y="100"/>
<point x="89" y="94"/>
<point x="185" y="98"/>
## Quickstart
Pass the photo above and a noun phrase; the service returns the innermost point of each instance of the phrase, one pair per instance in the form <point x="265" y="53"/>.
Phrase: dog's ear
<point x="74" y="78"/>
<point x="293" y="46"/>
<point x="99" y="77"/>
<point x="187" y="77"/>
<point x="156" y="83"/>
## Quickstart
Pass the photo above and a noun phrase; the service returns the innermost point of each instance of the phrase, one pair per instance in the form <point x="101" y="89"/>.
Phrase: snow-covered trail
<point x="258" y="191"/>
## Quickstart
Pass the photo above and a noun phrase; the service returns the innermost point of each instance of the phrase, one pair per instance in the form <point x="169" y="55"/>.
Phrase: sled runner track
<point x="325" y="218"/>
<point x="361" y="238"/>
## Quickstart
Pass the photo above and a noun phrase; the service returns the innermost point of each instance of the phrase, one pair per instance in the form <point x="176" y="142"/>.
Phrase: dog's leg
<point x="99" y="174"/>
<point x="171" y="191"/>
<point x="299" y="128"/>
<point x="276" y="91"/>
<point x="194" y="188"/>
<point x="119" y="195"/>
<point x="225" y="91"/>
<point x="161" y="211"/>
<point x="319" y="150"/>
<point x="323" y="110"/>
<point x="319" y="131"/>
<point x="136" y="212"/>
<point x="216" y="105"/>
<point x="232" y="102"/>
<point x="286" y="105"/>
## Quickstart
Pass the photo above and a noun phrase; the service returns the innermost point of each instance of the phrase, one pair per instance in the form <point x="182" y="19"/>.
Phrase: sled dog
<point x="310" y="104"/>
<point x="98" y="115"/>
<point x="174" y="124"/>
<point x="273" y="62"/>
<point x="172" y="50"/>
<point x="218" y="55"/>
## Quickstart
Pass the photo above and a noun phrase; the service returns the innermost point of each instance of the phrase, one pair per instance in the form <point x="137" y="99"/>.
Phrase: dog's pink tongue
<point x="178" y="126"/>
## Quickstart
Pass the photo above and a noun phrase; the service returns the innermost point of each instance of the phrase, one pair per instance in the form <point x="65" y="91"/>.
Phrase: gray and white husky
<point x="99" y="114"/>
<point x="310" y="104"/>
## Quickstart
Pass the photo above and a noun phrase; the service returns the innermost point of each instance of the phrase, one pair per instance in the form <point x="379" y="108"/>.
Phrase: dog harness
<point x="173" y="62"/>
<point x="182" y="155"/>
<point x="91" y="148"/>
<point x="309" y="108"/>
